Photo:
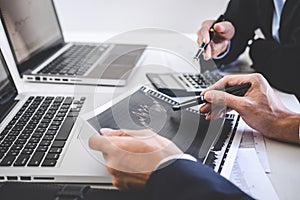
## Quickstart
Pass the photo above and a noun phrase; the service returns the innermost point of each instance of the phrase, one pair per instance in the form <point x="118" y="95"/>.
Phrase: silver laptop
<point x="39" y="139"/>
<point x="34" y="33"/>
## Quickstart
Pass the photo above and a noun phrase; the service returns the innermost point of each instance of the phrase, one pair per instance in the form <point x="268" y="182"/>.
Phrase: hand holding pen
<point x="238" y="90"/>
<point x="214" y="37"/>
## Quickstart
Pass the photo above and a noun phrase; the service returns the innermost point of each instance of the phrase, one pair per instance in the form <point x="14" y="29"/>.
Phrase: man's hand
<point x="260" y="107"/>
<point x="224" y="31"/>
<point x="131" y="156"/>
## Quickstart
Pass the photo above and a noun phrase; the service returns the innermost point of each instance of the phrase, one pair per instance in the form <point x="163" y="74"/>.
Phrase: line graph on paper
<point x="149" y="115"/>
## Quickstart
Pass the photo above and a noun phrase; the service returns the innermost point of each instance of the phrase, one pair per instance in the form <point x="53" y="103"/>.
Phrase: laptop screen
<point x="8" y="90"/>
<point x="31" y="27"/>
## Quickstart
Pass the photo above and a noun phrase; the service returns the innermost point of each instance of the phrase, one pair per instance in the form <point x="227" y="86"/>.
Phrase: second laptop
<point x="41" y="54"/>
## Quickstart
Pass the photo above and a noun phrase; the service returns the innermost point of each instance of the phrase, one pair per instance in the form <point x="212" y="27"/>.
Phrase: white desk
<point x="283" y="158"/>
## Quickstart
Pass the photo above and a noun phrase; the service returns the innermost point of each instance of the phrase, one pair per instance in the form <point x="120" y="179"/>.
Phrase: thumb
<point x="225" y="30"/>
<point x="112" y="132"/>
<point x="145" y="133"/>
<point x="142" y="134"/>
<point x="99" y="142"/>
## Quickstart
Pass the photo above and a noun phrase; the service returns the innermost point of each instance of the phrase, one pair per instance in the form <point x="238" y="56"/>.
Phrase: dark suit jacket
<point x="279" y="63"/>
<point x="188" y="180"/>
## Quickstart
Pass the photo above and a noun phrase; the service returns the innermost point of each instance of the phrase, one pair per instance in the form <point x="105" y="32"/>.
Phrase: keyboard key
<point x="48" y="137"/>
<point x="52" y="156"/>
<point x="49" y="163"/>
<point x="6" y="143"/>
<point x="68" y="101"/>
<point x="73" y="114"/>
<point x="66" y="128"/>
<point x="20" y="141"/>
<point x="42" y="148"/>
<point x="58" y="119"/>
<point x="3" y="149"/>
<point x="58" y="144"/>
<point x="34" y="140"/>
<point x="17" y="147"/>
<point x="36" y="158"/>
<point x="37" y="135"/>
<point x="7" y="161"/>
<point x="10" y="138"/>
<point x="22" y="160"/>
<point x="51" y="132"/>
<point x="4" y="132"/>
<point x="24" y="136"/>
<point x="55" y="150"/>
<point x="49" y="98"/>
<point x="27" y="151"/>
<point x="45" y="143"/>
<point x="56" y="123"/>
<point x="58" y="99"/>
<point x="31" y="145"/>
<point x="53" y="128"/>
<point x="13" y="152"/>
<point x="2" y="137"/>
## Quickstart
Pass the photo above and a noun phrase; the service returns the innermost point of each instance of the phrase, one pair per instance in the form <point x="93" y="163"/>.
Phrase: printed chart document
<point x="249" y="175"/>
<point x="210" y="142"/>
<point x="253" y="139"/>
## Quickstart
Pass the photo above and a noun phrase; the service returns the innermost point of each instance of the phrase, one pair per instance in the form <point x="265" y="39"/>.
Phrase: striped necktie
<point x="278" y="5"/>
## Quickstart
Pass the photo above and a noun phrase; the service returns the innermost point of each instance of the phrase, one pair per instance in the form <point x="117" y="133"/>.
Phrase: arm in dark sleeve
<point x="244" y="19"/>
<point x="279" y="63"/>
<point x="185" y="179"/>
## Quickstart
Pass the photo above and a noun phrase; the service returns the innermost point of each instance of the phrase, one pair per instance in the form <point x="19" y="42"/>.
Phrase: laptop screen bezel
<point x="6" y="107"/>
<point x="40" y="55"/>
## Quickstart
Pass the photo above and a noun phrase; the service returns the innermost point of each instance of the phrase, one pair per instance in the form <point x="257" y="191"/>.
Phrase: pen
<point x="238" y="90"/>
<point x="211" y="35"/>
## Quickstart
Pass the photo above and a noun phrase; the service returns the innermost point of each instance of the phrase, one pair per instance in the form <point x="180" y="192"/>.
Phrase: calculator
<point x="183" y="84"/>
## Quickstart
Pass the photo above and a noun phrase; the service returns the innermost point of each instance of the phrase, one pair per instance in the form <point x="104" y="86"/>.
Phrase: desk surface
<point x="283" y="158"/>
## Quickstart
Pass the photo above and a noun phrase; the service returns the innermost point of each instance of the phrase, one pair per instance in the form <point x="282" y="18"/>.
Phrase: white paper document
<point x="254" y="139"/>
<point x="249" y="175"/>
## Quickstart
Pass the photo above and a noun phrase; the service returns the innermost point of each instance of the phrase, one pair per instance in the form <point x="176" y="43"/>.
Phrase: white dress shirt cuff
<point x="222" y="55"/>
<point x="165" y="161"/>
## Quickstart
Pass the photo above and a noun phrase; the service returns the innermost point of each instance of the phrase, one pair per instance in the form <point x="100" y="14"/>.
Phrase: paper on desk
<point x="254" y="139"/>
<point x="249" y="176"/>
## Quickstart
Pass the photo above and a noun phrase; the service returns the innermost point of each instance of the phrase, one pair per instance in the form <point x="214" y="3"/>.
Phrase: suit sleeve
<point x="185" y="179"/>
<point x="241" y="15"/>
<point x="279" y="63"/>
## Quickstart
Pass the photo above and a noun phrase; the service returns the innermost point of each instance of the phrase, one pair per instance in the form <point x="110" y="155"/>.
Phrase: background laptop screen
<point x="31" y="26"/>
<point x="8" y="90"/>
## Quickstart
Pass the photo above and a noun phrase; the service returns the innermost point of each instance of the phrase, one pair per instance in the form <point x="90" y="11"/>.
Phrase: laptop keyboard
<point x="38" y="132"/>
<point x="75" y="61"/>
<point x="202" y="80"/>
